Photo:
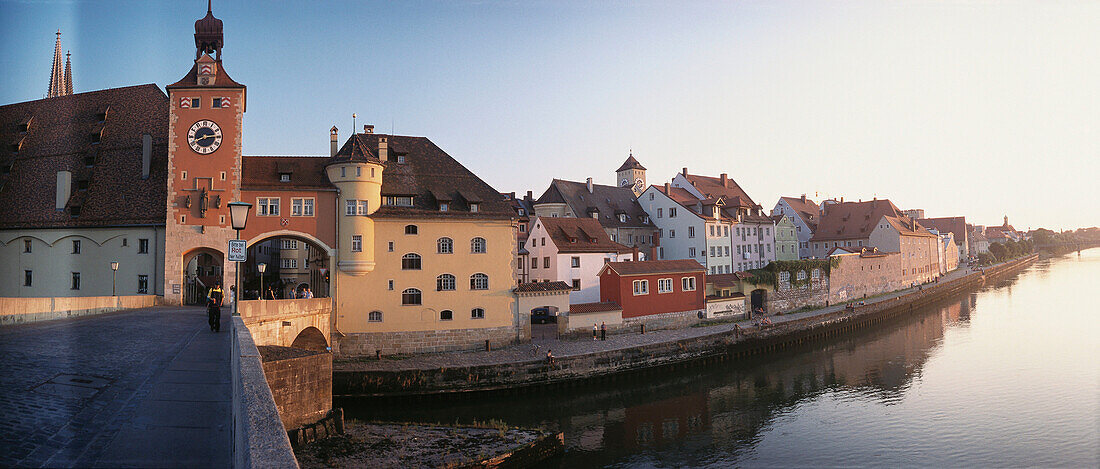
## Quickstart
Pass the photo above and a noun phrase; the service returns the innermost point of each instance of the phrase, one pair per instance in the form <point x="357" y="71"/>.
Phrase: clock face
<point x="204" y="137"/>
<point x="638" y="184"/>
<point x="624" y="183"/>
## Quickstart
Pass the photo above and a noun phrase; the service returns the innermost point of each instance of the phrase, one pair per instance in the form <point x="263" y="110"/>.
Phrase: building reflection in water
<point x="683" y="417"/>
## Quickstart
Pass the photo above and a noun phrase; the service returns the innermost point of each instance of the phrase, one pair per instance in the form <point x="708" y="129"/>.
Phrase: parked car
<point x="542" y="316"/>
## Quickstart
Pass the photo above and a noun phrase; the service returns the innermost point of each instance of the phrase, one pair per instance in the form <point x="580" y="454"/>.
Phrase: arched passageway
<point x="292" y="267"/>
<point x="311" y="338"/>
<point x="202" y="268"/>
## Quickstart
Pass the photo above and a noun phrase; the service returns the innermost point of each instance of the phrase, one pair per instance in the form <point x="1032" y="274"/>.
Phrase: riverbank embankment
<point x="526" y="366"/>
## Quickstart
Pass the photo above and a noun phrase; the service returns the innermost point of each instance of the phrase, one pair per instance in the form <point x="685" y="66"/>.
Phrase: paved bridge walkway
<point x="148" y="387"/>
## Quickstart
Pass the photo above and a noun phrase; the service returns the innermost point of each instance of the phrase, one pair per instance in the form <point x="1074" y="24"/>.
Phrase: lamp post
<point x="261" y="267"/>
<point x="114" y="275"/>
<point x="238" y="217"/>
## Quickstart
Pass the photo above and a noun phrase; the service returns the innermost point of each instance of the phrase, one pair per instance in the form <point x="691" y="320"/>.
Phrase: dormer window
<point x="401" y="159"/>
<point x="622" y="218"/>
<point x="595" y="214"/>
<point x="522" y="212"/>
<point x="443" y="207"/>
<point x="400" y="201"/>
<point x="572" y="240"/>
<point x="284" y="177"/>
<point x="475" y="207"/>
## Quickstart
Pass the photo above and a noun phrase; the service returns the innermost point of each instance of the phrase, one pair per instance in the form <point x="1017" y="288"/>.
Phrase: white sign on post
<point x="238" y="250"/>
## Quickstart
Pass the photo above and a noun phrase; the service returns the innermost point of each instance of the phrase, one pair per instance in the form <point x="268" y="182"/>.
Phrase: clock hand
<point x="206" y="137"/>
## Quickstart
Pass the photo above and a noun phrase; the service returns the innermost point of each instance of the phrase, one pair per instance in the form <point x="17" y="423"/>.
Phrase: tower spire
<point x="57" y="86"/>
<point x="68" y="73"/>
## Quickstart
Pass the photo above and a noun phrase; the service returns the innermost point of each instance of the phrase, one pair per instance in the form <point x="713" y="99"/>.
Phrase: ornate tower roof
<point x="68" y="74"/>
<point x="57" y="77"/>
<point x="208" y="34"/>
<point x="630" y="163"/>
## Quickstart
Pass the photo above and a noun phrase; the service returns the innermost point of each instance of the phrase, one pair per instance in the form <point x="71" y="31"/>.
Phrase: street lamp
<point x="238" y="217"/>
<point x="261" y="267"/>
<point x="114" y="275"/>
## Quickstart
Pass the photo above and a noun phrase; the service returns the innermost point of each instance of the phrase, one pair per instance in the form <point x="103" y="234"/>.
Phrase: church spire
<point x="57" y="85"/>
<point x="68" y="73"/>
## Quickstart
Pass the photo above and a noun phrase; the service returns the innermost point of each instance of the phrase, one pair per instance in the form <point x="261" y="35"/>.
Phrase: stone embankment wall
<point x="791" y="298"/>
<point x="27" y="310"/>
<point x="259" y="439"/>
<point x="698" y="350"/>
<point x="300" y="382"/>
<point x="446" y="340"/>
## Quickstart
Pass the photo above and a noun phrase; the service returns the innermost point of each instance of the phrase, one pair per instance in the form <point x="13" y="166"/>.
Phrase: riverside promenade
<point x="140" y="388"/>
<point x="525" y="365"/>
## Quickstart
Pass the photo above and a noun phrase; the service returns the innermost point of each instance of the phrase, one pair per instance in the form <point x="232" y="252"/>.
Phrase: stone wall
<point x="791" y="298"/>
<point x="300" y="381"/>
<point x="407" y="342"/>
<point x="259" y="438"/>
<point x="733" y="307"/>
<point x="860" y="276"/>
<point x="27" y="310"/>
<point x="278" y="322"/>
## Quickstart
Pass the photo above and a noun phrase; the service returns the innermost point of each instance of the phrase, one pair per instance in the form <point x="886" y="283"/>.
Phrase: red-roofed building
<point x="571" y="250"/>
<point x="805" y="214"/>
<point x="666" y="288"/>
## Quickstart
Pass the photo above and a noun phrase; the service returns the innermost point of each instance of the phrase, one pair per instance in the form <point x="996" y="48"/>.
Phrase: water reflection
<point x="726" y="414"/>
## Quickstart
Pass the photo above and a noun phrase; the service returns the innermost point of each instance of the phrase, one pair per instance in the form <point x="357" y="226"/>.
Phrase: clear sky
<point x="981" y="108"/>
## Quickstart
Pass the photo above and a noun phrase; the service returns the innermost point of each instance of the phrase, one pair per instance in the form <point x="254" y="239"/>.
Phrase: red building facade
<point x="653" y="287"/>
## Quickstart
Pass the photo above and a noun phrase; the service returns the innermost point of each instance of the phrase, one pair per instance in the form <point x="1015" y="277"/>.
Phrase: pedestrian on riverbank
<point x="549" y="357"/>
<point x="595" y="331"/>
<point x="603" y="331"/>
<point x="736" y="330"/>
<point x="214" y="307"/>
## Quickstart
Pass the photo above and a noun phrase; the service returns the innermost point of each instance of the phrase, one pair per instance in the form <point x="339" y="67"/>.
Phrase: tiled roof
<point x="532" y="287"/>
<point x="580" y="235"/>
<point x="655" y="267"/>
<point x="60" y="137"/>
<point x="359" y="148"/>
<point x="630" y="163"/>
<point x="306" y="173"/>
<point x="808" y="210"/>
<point x="221" y="79"/>
<point x="608" y="200"/>
<point x="602" y="307"/>
<point x="954" y="225"/>
<point x="724" y="280"/>
<point x="853" y="220"/>
<point x="713" y="187"/>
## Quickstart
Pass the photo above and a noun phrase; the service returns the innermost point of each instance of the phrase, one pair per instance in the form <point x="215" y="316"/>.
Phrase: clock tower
<point x="205" y="114"/>
<point x="631" y="174"/>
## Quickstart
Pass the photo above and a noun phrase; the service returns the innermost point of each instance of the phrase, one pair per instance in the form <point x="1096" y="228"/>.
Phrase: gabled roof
<point x="853" y="220"/>
<point x="607" y="200"/>
<point x="674" y="266"/>
<point x="59" y="137"/>
<point x="807" y="210"/>
<point x="713" y="187"/>
<point x="533" y="287"/>
<point x="263" y="173"/>
<point x="630" y="163"/>
<point x="580" y="235"/>
<point x="953" y="225"/>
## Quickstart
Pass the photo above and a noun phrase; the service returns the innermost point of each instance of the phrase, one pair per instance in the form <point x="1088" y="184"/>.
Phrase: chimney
<point x="529" y="196"/>
<point x="803" y="198"/>
<point x="64" y="188"/>
<point x="146" y="154"/>
<point x="684" y="172"/>
<point x="368" y="129"/>
<point x="332" y="140"/>
<point x="589" y="184"/>
<point x="725" y="180"/>
<point x="668" y="189"/>
<point x="383" y="148"/>
<point x="636" y="254"/>
<point x="842" y="200"/>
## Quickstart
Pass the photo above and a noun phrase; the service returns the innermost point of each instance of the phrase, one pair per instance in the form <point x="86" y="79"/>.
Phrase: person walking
<point x="595" y="330"/>
<point x="270" y="293"/>
<point x="214" y="307"/>
<point x="603" y="331"/>
<point x="549" y="357"/>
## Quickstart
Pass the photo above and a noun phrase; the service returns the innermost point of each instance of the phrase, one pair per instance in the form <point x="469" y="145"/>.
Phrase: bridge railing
<point x="253" y="311"/>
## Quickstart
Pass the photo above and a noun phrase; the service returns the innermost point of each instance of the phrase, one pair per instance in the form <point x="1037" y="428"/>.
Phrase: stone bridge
<point x="301" y="323"/>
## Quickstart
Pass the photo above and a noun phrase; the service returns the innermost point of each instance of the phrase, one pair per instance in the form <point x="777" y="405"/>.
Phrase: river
<point x="1005" y="376"/>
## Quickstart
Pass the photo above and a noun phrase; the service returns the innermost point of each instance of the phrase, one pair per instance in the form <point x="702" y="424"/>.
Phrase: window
<point x="664" y="285"/>
<point x="301" y="207"/>
<point x="691" y="232"/>
<point x="358" y="171"/>
<point x="268" y="206"/>
<point x="222" y="174"/>
<point x="477" y="313"/>
<point x="727" y="250"/>
<point x="660" y="213"/>
<point x="390" y="285"/>
<point x="284" y="177"/>
<point x="576" y="284"/>
<point x="522" y="228"/>
<point x="672" y="212"/>
<point x="27" y="278"/>
<point x="288" y="263"/>
<point x="374" y="316"/>
<point x="479" y="282"/>
<point x="671" y="233"/>
<point x="364" y="208"/>
<point x="389" y="246"/>
<point x="357" y="243"/>
<point x="445" y="282"/>
<point x="816" y="273"/>
<point x="76" y="246"/>
<point x="546" y="262"/>
<point x="217" y="102"/>
<point x="687" y="283"/>
<point x="143" y="284"/>
<point x="445" y="246"/>
<point x="411" y="229"/>
<point x="784" y="279"/>
<point x="444" y="206"/>
<point x="575" y="262"/>
<point x="725" y="231"/>
<point x="712" y="251"/>
<point x="307" y="207"/>
<point x="519" y="263"/>
<point x="475" y="207"/>
<point x="343" y="172"/>
<point x="290" y="244"/>
<point x="650" y="196"/>
<point x="410" y="261"/>
<point x="641" y="287"/>
<point x="410" y="296"/>
<point x="477" y="245"/>
<point x="401" y="201"/>
<point x="691" y="252"/>
<point x="349" y="207"/>
<point x="622" y="218"/>
<point x="446" y="315"/>
<point x="26" y="245"/>
<point x="76" y="281"/>
<point x="195" y="102"/>
<point x="801" y="275"/>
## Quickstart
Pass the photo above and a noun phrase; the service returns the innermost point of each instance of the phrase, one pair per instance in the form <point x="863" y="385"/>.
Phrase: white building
<point x="690" y="228"/>
<point x="572" y="250"/>
<point x="753" y="233"/>
<point x="805" y="214"/>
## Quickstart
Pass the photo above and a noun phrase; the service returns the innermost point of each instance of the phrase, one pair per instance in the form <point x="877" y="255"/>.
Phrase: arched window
<point x="375" y="316"/>
<point x="802" y="275"/>
<point x="477" y="313"/>
<point x="410" y="296"/>
<point x="410" y="261"/>
<point x="445" y="245"/>
<point x="445" y="282"/>
<point x="477" y="245"/>
<point x="411" y="229"/>
<point x="479" y="282"/>
<point x="446" y="315"/>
